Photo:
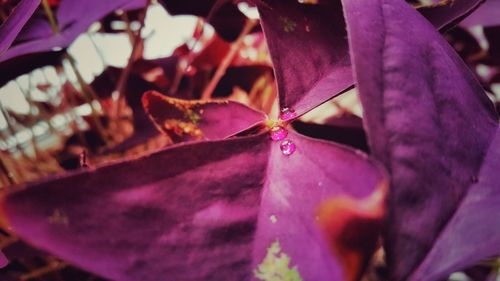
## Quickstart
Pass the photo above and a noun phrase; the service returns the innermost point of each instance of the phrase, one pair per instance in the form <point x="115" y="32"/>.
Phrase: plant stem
<point x="90" y="96"/>
<point x="51" y="267"/>
<point x="98" y="51"/>
<point x="137" y="50"/>
<point x="70" y="104"/>
<point x="200" y="28"/>
<point x="130" y="33"/>
<point x="50" y="16"/>
<point x="182" y="69"/>
<point x="221" y="70"/>
<point x="5" y="170"/>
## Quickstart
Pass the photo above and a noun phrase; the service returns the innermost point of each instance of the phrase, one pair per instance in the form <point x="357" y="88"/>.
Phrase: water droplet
<point x="320" y="183"/>
<point x="287" y="114"/>
<point x="273" y="218"/>
<point x="287" y="147"/>
<point x="278" y="133"/>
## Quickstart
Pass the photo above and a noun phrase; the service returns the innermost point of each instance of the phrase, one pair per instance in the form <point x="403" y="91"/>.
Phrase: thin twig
<point x="5" y="170"/>
<point x="221" y="70"/>
<point x="182" y="69"/>
<point x="52" y="19"/>
<point x="191" y="54"/>
<point x="90" y="96"/>
<point x="51" y="267"/>
<point x="137" y="49"/>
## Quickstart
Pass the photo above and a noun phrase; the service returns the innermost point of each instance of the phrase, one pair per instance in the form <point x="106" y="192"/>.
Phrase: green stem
<point x="50" y="16"/>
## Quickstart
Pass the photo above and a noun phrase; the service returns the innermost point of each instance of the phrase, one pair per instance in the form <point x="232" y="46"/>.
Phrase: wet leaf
<point x="309" y="49"/>
<point x="214" y="206"/>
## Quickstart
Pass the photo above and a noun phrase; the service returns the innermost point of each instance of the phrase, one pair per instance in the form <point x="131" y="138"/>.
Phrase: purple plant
<point x="243" y="196"/>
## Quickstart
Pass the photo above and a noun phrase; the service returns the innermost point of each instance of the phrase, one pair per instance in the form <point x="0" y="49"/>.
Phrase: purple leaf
<point x="301" y="39"/>
<point x="430" y="122"/>
<point x="40" y="37"/>
<point x="198" y="211"/>
<point x="486" y="15"/>
<point x="318" y="170"/>
<point x="309" y="50"/>
<point x="451" y="12"/>
<point x="183" y="120"/>
<point x="15" y="22"/>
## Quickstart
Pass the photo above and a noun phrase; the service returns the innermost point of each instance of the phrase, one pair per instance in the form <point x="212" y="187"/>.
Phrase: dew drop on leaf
<point x="287" y="114"/>
<point x="287" y="147"/>
<point x="273" y="218"/>
<point x="278" y="133"/>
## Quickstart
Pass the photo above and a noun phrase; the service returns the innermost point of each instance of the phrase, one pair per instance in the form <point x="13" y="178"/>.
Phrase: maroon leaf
<point x="203" y="206"/>
<point x="183" y="120"/>
<point x="431" y="124"/>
